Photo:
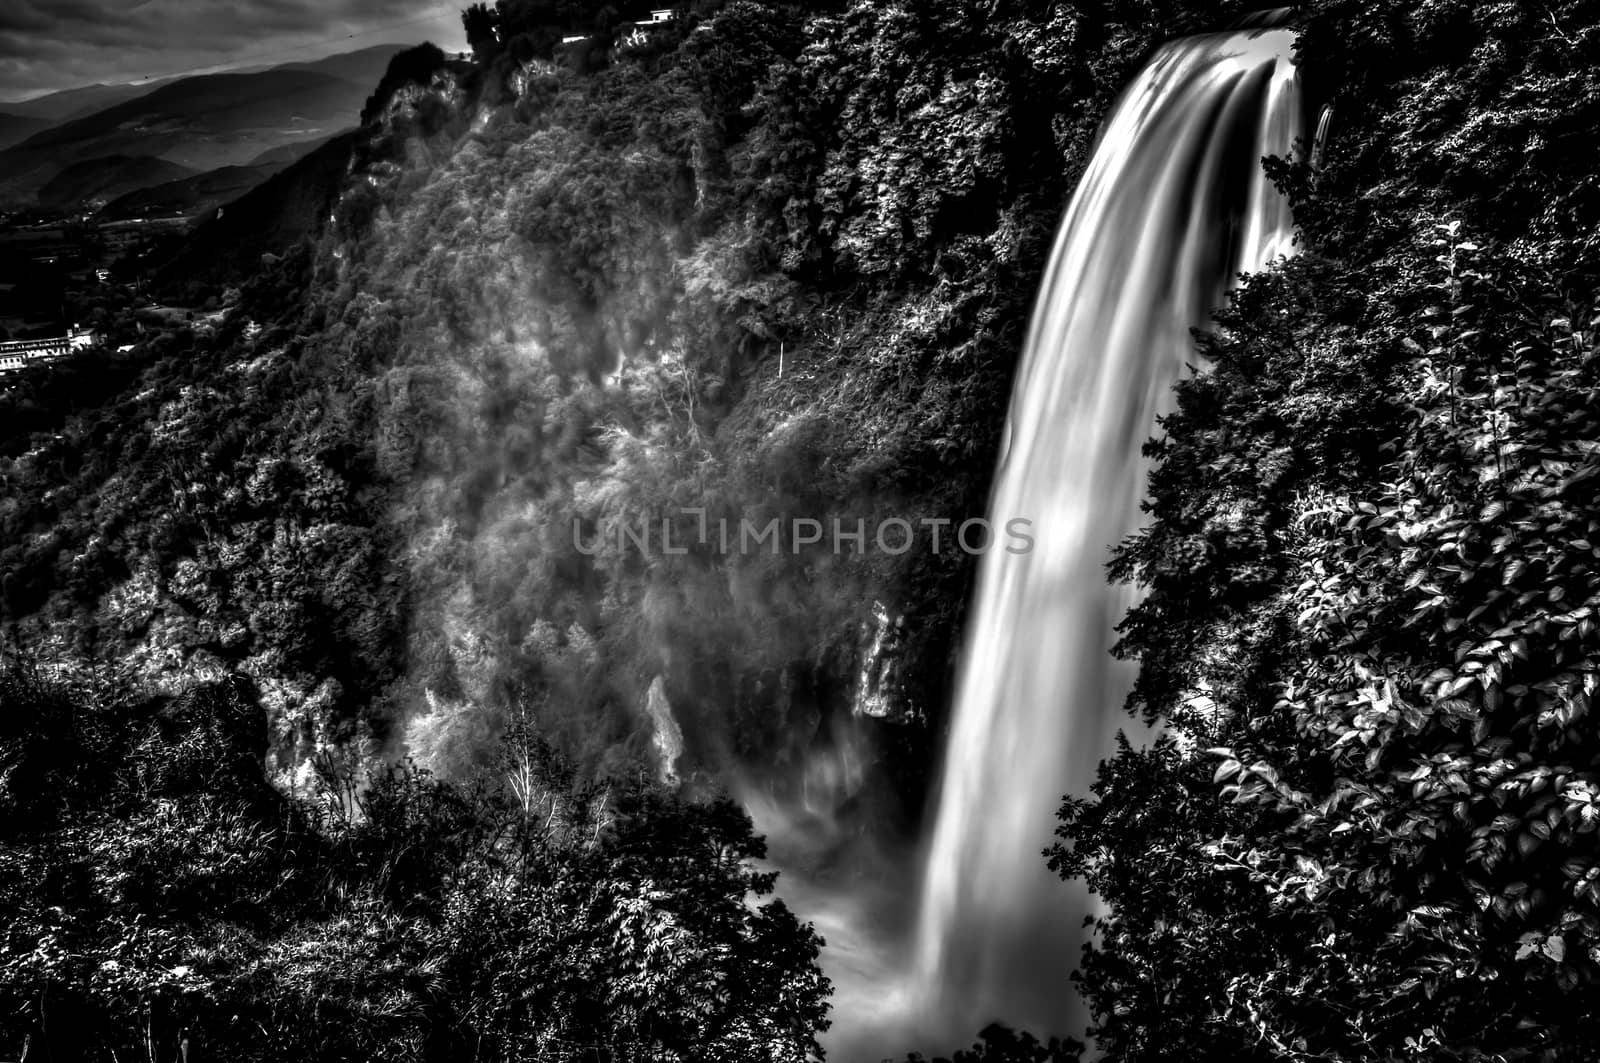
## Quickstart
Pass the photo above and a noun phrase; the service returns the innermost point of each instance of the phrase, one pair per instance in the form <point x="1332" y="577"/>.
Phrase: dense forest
<point x="323" y="733"/>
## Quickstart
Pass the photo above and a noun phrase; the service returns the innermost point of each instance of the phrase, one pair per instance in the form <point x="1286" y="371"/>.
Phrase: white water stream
<point x="1174" y="204"/>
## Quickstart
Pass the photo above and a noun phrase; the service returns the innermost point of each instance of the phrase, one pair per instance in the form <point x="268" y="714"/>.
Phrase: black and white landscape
<point x="754" y="531"/>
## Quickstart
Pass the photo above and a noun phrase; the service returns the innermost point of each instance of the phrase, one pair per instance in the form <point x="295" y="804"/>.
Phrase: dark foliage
<point x="414" y="66"/>
<point x="156" y="889"/>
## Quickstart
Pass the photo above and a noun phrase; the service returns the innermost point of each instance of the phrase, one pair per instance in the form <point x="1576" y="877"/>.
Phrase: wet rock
<point x="666" y="740"/>
<point x="880" y="685"/>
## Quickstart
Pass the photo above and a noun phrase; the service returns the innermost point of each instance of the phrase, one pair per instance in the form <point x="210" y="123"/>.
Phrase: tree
<point x="482" y="32"/>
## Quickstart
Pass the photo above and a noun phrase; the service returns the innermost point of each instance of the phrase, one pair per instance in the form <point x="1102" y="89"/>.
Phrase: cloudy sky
<point x="58" y="44"/>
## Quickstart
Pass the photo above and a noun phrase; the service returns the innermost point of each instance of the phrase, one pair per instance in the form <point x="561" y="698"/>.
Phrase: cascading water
<point x="1173" y="205"/>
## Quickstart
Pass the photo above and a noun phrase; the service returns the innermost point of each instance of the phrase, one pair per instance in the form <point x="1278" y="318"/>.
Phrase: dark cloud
<point x="47" y="45"/>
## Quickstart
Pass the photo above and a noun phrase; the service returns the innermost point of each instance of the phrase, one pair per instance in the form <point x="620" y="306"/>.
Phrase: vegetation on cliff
<point x="771" y="262"/>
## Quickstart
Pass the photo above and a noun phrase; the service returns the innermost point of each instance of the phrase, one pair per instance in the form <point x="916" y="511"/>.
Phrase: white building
<point x="19" y="354"/>
<point x="639" y="34"/>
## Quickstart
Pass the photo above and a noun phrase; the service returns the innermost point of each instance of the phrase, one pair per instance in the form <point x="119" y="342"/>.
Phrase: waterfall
<point x="1173" y="205"/>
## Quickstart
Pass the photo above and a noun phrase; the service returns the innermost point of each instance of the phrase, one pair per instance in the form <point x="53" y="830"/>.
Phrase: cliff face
<point x="767" y="269"/>
<point x="763" y="267"/>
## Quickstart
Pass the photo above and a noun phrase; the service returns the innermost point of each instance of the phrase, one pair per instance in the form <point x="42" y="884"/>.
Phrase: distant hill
<point x="217" y="109"/>
<point x="271" y="217"/>
<point x="269" y="116"/>
<point x="16" y="127"/>
<point x="203" y="123"/>
<point x="364" y="67"/>
<point x="75" y="103"/>
<point x="190" y="195"/>
<point x="285" y="154"/>
<point x="107" y="178"/>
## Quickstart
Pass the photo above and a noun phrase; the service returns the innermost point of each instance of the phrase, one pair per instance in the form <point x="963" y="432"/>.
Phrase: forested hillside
<point x="560" y="288"/>
<point x="776" y="260"/>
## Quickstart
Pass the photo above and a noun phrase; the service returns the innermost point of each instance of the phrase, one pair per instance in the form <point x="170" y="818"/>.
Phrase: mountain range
<point x="207" y="126"/>
<point x="107" y="177"/>
<point x="15" y="127"/>
<point x="76" y="103"/>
